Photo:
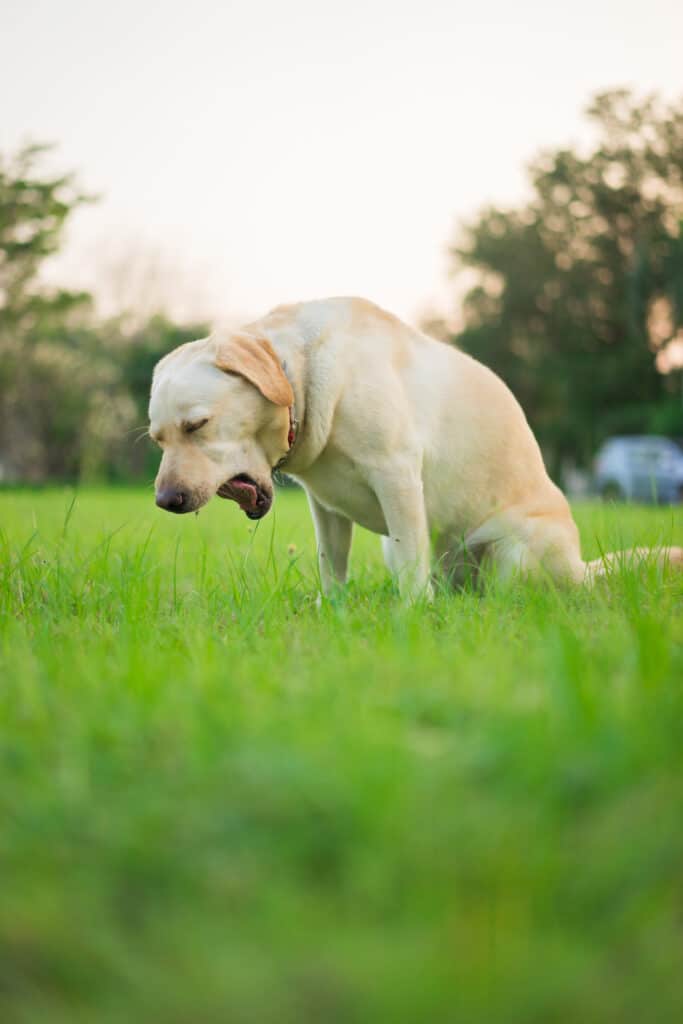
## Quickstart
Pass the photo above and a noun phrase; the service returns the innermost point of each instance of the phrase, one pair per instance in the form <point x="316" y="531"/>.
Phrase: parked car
<point x="644" y="468"/>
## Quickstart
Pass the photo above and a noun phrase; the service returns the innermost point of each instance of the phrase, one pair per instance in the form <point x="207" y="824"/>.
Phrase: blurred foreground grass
<point x="221" y="804"/>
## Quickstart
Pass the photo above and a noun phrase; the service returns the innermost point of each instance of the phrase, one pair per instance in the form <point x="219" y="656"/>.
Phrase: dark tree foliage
<point x="42" y="373"/>
<point x="33" y="212"/>
<point x="73" y="390"/>
<point x="577" y="289"/>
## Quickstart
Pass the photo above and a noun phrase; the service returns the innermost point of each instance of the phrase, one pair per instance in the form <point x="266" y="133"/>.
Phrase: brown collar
<point x="293" y="427"/>
<point x="293" y="431"/>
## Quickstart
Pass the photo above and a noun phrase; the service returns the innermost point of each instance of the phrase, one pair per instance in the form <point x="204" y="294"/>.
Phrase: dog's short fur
<point x="391" y="429"/>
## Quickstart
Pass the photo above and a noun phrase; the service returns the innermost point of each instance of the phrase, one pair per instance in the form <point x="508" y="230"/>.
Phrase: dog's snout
<point x="172" y="500"/>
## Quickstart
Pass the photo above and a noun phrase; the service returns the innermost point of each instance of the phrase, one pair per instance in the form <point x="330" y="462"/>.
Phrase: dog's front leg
<point x="406" y="548"/>
<point x="333" y="534"/>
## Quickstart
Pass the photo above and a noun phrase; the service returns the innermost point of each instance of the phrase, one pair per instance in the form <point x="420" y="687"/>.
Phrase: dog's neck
<point x="293" y="432"/>
<point x="298" y="347"/>
<point x="293" y="359"/>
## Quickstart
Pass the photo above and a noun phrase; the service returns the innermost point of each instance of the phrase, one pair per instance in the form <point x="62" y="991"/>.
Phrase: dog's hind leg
<point x="541" y="546"/>
<point x="457" y="563"/>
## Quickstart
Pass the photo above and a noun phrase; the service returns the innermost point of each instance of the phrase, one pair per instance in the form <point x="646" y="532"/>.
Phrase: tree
<point x="38" y="365"/>
<point x="570" y="288"/>
<point x="33" y="211"/>
<point x="72" y="389"/>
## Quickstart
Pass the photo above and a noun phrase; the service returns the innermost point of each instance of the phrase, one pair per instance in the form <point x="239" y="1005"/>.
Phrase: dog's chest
<point x="339" y="484"/>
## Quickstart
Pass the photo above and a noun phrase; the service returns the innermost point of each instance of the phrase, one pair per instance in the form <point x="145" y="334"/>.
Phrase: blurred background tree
<point x="72" y="389"/>
<point x="576" y="296"/>
<point x="577" y="290"/>
<point x="33" y="210"/>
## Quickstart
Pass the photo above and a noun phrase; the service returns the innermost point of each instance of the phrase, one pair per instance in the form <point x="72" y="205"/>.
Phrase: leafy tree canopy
<point x="576" y="290"/>
<point x="34" y="208"/>
<point x="72" y="389"/>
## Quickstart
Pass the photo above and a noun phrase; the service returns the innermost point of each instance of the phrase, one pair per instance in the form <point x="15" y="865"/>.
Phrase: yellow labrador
<point x="383" y="426"/>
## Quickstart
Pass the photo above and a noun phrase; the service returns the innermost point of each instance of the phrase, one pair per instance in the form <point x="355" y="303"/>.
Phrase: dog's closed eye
<point x="191" y="428"/>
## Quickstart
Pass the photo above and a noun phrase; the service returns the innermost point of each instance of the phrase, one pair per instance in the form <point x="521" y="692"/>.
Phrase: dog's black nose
<point x="172" y="500"/>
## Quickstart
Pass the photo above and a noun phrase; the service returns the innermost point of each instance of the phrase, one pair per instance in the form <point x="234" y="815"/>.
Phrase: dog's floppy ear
<point x="256" y="361"/>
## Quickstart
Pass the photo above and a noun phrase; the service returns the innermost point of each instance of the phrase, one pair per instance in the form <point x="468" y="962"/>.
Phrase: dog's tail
<point x="633" y="557"/>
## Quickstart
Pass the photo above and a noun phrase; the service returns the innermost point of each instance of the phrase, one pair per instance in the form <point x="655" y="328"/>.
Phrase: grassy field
<point x="219" y="803"/>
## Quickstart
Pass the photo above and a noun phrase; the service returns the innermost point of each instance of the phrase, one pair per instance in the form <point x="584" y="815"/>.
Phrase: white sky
<point x="259" y="152"/>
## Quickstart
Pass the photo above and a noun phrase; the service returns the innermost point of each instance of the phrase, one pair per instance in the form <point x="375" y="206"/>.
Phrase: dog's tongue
<point x="241" y="491"/>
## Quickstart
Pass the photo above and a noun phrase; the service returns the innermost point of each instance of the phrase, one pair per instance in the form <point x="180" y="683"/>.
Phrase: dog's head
<point x="219" y="410"/>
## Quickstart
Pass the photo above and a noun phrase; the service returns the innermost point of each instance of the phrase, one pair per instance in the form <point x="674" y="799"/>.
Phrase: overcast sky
<point x="260" y="152"/>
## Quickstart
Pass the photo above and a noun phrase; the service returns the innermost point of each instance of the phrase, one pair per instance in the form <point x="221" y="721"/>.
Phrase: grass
<point x="219" y="803"/>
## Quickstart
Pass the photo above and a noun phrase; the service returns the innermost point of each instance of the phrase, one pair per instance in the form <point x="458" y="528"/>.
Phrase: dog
<point x="383" y="426"/>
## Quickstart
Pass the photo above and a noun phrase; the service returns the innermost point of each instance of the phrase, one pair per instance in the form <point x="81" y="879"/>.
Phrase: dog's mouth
<point x="252" y="498"/>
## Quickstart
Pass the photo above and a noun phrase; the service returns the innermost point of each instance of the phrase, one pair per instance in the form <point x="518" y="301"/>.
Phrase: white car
<point x="641" y="468"/>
